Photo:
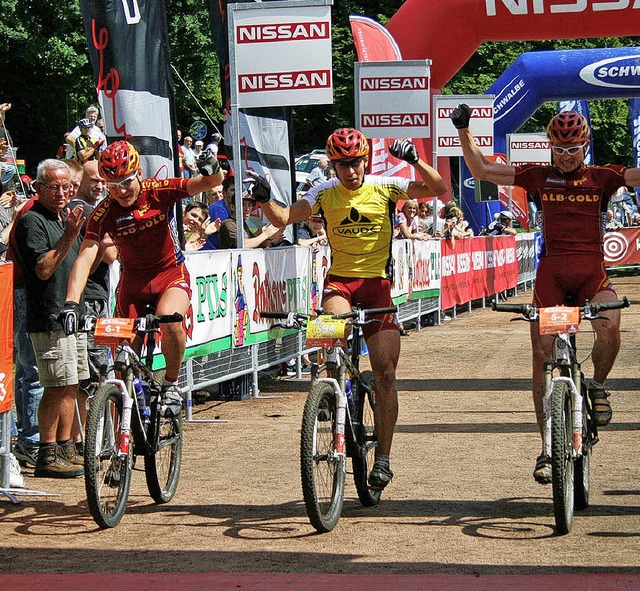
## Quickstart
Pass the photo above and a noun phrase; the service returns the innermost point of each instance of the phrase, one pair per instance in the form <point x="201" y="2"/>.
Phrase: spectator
<point x="48" y="241"/>
<point x="318" y="174"/>
<point x="408" y="222"/>
<point x="214" y="194"/>
<point x="611" y="224"/>
<point x="94" y="133"/>
<point x="221" y="209"/>
<point x="199" y="146"/>
<point x="87" y="147"/>
<point x="197" y="226"/>
<point x="229" y="228"/>
<point x="313" y="233"/>
<point x="425" y="211"/>
<point x="501" y="226"/>
<point x="28" y="391"/>
<point x="635" y="220"/>
<point x="214" y="144"/>
<point x="180" y="154"/>
<point x="190" y="168"/>
<point x="76" y="171"/>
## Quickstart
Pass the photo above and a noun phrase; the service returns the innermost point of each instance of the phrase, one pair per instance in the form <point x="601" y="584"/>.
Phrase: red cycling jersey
<point x="573" y="206"/>
<point x="145" y="234"/>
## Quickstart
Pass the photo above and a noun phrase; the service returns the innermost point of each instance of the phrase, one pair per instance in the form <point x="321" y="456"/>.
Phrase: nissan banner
<point x="281" y="57"/>
<point x="392" y="99"/>
<point x="481" y="124"/>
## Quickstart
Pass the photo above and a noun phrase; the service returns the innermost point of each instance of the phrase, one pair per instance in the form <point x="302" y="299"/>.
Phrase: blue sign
<point x="198" y="130"/>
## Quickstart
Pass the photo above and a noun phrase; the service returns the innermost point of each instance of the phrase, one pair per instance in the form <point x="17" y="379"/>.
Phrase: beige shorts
<point x="61" y="360"/>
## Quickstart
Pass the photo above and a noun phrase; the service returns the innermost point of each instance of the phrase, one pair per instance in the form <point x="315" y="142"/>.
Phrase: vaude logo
<point x="615" y="72"/>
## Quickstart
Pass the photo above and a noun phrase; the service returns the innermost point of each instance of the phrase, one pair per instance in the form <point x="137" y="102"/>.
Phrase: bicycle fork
<point x="125" y="427"/>
<point x="576" y="412"/>
<point x="339" y="436"/>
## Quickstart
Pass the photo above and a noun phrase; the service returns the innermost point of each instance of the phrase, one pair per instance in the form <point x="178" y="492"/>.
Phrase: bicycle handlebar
<point x="589" y="310"/>
<point x="297" y="316"/>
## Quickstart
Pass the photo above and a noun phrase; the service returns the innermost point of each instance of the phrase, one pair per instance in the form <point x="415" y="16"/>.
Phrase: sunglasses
<point x="572" y="151"/>
<point x="346" y="164"/>
<point x="124" y="183"/>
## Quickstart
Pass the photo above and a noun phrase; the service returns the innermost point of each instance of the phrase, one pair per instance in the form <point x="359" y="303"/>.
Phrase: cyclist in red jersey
<point x="572" y="199"/>
<point x="358" y="210"/>
<point x="138" y="216"/>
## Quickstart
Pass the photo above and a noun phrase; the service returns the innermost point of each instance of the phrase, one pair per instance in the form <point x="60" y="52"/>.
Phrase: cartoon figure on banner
<point x="314" y="281"/>
<point x="240" y="304"/>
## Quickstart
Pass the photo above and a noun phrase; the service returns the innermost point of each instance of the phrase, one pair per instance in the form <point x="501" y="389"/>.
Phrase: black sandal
<point x="601" y="407"/>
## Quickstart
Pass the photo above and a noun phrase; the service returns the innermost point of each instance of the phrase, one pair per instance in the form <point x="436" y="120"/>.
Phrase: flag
<point x="129" y="51"/>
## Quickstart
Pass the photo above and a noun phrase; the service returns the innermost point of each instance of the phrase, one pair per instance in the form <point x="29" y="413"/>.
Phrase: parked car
<point x="306" y="163"/>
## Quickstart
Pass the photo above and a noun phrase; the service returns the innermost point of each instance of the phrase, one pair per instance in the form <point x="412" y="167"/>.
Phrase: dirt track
<point x="462" y="501"/>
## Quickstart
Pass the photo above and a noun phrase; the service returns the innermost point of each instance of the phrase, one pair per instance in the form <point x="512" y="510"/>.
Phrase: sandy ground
<point x="462" y="500"/>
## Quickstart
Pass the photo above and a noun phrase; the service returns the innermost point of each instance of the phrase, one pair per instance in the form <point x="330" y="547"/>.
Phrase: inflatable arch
<point x="448" y="33"/>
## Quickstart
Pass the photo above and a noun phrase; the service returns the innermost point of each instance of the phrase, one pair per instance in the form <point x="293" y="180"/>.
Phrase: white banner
<point x="392" y="99"/>
<point x="281" y="55"/>
<point x="528" y="148"/>
<point x="481" y="125"/>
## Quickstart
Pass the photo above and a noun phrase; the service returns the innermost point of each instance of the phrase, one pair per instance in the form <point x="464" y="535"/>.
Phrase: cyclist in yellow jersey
<point x="358" y="210"/>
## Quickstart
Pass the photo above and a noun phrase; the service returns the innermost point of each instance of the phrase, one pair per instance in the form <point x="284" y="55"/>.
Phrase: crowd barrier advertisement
<point x="477" y="267"/>
<point x="416" y="270"/>
<point x="622" y="247"/>
<point x="6" y="337"/>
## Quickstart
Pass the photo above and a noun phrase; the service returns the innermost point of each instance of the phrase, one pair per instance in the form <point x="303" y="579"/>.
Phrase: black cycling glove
<point x="405" y="150"/>
<point x="207" y="163"/>
<point x="460" y="116"/>
<point x="259" y="188"/>
<point x="69" y="317"/>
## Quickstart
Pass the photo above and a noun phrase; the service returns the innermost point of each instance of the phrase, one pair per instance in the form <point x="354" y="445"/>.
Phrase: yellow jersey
<point x="359" y="223"/>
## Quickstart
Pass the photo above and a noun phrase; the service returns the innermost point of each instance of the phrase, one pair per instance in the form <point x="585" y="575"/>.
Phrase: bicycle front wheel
<point x="562" y="465"/>
<point x="367" y="438"/>
<point x="107" y="474"/>
<point x="322" y="470"/>
<point x="162" y="465"/>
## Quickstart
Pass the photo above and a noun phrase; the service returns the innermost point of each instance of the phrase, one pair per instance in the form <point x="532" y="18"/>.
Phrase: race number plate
<point x="326" y="331"/>
<point x="558" y="320"/>
<point x="110" y="331"/>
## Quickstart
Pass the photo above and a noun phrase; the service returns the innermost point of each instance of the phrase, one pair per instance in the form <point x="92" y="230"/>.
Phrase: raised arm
<point x="210" y="174"/>
<point x="431" y="184"/>
<point x="480" y="167"/>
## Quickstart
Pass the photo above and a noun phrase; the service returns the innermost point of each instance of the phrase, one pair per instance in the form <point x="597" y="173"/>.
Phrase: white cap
<point x="199" y="143"/>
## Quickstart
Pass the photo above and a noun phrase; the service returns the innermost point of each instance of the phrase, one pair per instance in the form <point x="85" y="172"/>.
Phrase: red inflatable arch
<point x="449" y="31"/>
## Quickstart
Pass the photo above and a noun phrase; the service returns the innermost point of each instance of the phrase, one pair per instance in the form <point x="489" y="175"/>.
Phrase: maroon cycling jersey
<point x="572" y="207"/>
<point x="145" y="234"/>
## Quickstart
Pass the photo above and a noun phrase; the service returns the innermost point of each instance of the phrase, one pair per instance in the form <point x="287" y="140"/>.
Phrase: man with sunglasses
<point x="571" y="198"/>
<point x="47" y="241"/>
<point x="358" y="210"/>
<point x="138" y="215"/>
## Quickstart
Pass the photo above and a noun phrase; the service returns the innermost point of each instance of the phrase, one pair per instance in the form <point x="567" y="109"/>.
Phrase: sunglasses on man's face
<point x="571" y="150"/>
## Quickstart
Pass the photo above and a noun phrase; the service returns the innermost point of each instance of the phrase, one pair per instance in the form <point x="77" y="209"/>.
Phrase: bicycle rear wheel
<point x="107" y="475"/>
<point x="322" y="471"/>
<point x="583" y="463"/>
<point x="162" y="466"/>
<point x="562" y="465"/>
<point x="367" y="439"/>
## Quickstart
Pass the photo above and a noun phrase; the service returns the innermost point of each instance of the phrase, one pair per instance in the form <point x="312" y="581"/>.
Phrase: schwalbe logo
<point x="616" y="72"/>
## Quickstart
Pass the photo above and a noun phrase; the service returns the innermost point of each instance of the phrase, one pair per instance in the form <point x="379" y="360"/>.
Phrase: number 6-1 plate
<point x="326" y="331"/>
<point x="110" y="331"/>
<point x="558" y="320"/>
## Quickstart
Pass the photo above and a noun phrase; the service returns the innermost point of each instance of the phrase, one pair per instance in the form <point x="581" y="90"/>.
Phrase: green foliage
<point x="48" y="78"/>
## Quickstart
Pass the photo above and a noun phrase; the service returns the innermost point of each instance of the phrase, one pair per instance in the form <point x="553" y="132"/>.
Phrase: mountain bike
<point x="338" y="418"/>
<point x="124" y="421"/>
<point x="569" y="431"/>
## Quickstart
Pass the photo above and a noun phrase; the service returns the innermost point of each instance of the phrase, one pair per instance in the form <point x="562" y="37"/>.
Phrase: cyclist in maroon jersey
<point x="138" y="215"/>
<point x="572" y="199"/>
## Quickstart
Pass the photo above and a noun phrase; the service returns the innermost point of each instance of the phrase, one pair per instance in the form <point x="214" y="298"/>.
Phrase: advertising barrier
<point x="477" y="267"/>
<point x="621" y="248"/>
<point x="6" y="337"/>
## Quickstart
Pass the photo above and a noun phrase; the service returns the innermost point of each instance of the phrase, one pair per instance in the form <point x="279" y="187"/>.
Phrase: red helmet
<point x="568" y="128"/>
<point x="346" y="143"/>
<point x="119" y="160"/>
